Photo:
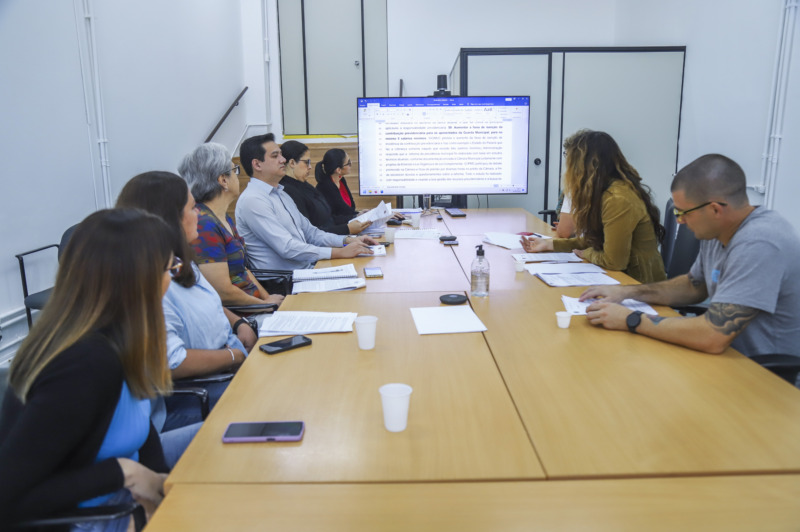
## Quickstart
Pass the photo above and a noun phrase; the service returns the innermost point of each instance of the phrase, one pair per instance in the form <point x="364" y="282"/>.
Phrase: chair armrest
<point x="200" y="393"/>
<point x="207" y="379"/>
<point x="25" y="253"/>
<point x="93" y="514"/>
<point x="552" y="213"/>
<point x="254" y="309"/>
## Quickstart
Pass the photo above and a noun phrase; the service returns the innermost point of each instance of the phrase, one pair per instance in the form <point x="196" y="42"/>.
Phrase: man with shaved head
<point x="748" y="267"/>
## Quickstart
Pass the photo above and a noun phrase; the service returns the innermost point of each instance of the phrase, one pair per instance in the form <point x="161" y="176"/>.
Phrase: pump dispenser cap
<point x="479" y="247"/>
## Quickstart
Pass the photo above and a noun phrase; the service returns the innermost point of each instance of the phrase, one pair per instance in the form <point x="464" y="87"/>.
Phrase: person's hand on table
<point x="275" y="298"/>
<point x="355" y="248"/>
<point x="610" y="294"/>
<point x="609" y="315"/>
<point x="367" y="240"/>
<point x="579" y="253"/>
<point x="247" y="336"/>
<point x="536" y="245"/>
<point x="398" y="216"/>
<point x="355" y="227"/>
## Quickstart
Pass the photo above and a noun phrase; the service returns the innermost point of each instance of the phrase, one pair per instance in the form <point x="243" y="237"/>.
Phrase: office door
<point x="517" y="75"/>
<point x="322" y="70"/>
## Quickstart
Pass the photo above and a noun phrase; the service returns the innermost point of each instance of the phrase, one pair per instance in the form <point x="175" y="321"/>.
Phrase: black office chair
<point x="549" y="215"/>
<point x="274" y="281"/>
<point x="679" y="251"/>
<point x="37" y="300"/>
<point x="77" y="515"/>
<point x="680" y="247"/>
<point x="786" y="367"/>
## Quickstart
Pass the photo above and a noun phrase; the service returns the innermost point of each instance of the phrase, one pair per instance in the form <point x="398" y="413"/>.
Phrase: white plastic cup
<point x="365" y="329"/>
<point x="563" y="318"/>
<point x="388" y="235"/>
<point x="415" y="217"/>
<point x="395" y="398"/>
<point x="519" y="265"/>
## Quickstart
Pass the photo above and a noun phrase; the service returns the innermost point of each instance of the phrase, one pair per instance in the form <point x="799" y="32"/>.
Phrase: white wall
<point x="426" y="35"/>
<point x="168" y="72"/>
<point x="44" y="144"/>
<point x="730" y="54"/>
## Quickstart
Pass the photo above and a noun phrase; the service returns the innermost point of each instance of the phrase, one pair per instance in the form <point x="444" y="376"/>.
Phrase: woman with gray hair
<point x="220" y="251"/>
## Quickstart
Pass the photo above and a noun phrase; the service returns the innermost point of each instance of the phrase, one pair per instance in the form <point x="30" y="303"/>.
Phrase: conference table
<point x="522" y="426"/>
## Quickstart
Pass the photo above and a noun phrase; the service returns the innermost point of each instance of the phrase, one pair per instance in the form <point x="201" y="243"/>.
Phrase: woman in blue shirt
<point x="202" y="337"/>
<point x="75" y="426"/>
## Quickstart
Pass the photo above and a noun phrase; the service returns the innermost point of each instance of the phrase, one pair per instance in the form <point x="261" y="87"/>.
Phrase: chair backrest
<point x="680" y="247"/>
<point x="65" y="239"/>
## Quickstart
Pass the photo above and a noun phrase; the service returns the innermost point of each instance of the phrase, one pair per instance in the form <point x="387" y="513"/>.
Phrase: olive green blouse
<point x="630" y="240"/>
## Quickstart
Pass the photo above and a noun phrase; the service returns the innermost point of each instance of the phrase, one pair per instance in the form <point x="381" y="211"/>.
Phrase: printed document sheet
<point x="578" y="308"/>
<point x="563" y="267"/>
<point x="381" y="213"/>
<point x="305" y="322"/>
<point x="576" y="279"/>
<point x="444" y="320"/>
<point x="334" y="272"/>
<point x="328" y="285"/>
<point x="377" y="251"/>
<point x="546" y="257"/>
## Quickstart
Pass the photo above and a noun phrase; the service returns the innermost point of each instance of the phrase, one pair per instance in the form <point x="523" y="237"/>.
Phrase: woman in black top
<point x="75" y="426"/>
<point x="330" y="172"/>
<point x="309" y="200"/>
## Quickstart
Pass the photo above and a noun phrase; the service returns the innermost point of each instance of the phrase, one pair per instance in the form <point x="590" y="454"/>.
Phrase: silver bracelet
<point x="233" y="357"/>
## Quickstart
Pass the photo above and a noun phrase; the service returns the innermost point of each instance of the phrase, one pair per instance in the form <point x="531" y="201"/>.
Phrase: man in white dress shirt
<point x="277" y="235"/>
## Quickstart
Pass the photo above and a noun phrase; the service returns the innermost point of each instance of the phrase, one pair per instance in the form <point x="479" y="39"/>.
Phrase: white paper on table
<point x="377" y="251"/>
<point x="408" y="211"/>
<point x="578" y="308"/>
<point x="576" y="279"/>
<point x="444" y="320"/>
<point x="328" y="285"/>
<point x="505" y="240"/>
<point x="417" y="234"/>
<point x="563" y="267"/>
<point x="380" y="213"/>
<point x="306" y="322"/>
<point x="546" y="257"/>
<point x="333" y="272"/>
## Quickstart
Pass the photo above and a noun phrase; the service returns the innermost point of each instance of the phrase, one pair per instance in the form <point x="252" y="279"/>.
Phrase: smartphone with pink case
<point x="264" y="431"/>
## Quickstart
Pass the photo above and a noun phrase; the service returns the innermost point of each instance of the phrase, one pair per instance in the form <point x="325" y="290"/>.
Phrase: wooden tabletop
<point x="478" y="221"/>
<point x="411" y="266"/>
<point x="764" y="503"/>
<point x="611" y="403"/>
<point x="462" y="423"/>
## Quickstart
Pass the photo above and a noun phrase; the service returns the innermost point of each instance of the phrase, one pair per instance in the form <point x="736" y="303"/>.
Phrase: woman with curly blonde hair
<point x="618" y="226"/>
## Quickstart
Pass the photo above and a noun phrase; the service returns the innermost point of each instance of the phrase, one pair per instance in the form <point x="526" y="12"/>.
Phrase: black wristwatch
<point x="633" y="320"/>
<point x="249" y="321"/>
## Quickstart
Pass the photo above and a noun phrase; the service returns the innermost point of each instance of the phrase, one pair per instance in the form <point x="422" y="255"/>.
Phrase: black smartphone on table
<point x="280" y="346"/>
<point x="266" y="431"/>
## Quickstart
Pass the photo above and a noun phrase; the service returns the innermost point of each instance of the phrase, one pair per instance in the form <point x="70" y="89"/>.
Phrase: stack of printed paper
<point x="334" y="272"/>
<point x="304" y="322"/>
<point x="328" y="285"/>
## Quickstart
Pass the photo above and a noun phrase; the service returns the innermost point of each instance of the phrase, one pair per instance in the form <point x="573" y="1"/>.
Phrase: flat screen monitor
<point x="443" y="145"/>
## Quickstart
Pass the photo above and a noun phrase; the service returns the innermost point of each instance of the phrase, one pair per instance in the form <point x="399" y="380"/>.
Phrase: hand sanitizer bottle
<point x="480" y="274"/>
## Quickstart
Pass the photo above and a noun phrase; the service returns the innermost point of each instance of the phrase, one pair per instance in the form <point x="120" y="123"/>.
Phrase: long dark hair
<point x="163" y="194"/>
<point x="333" y="159"/>
<point x="110" y="279"/>
<point x="594" y="161"/>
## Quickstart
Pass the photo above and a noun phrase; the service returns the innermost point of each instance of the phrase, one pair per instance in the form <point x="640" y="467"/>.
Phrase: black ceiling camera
<point x="441" y="86"/>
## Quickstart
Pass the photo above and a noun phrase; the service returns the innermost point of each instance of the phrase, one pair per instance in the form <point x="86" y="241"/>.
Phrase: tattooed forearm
<point x="728" y="318"/>
<point x="657" y="319"/>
